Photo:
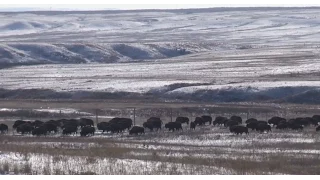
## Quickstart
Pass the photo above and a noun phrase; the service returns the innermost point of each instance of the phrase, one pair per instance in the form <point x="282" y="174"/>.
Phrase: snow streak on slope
<point x="76" y="53"/>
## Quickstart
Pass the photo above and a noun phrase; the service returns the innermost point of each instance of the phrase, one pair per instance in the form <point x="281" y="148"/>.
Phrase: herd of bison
<point x="86" y="126"/>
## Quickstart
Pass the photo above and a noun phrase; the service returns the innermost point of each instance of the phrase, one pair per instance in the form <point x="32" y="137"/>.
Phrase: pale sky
<point x="14" y="7"/>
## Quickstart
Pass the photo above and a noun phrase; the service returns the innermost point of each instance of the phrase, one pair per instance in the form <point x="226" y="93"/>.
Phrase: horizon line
<point x="50" y="9"/>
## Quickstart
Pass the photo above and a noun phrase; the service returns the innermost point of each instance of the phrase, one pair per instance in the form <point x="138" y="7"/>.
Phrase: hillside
<point x="216" y="55"/>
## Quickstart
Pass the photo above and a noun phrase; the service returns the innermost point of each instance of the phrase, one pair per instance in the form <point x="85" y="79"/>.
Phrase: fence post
<point x="134" y="116"/>
<point x="97" y="121"/>
<point x="266" y="116"/>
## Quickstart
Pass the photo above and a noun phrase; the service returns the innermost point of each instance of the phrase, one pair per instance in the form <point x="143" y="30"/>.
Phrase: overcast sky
<point x="124" y="6"/>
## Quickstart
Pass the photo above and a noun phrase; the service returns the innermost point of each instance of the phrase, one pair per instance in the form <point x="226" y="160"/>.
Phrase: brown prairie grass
<point x="269" y="163"/>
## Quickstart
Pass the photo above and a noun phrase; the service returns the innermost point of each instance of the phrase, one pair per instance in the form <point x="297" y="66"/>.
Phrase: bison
<point x="239" y="129"/>
<point x="136" y="130"/>
<point x="25" y="128"/>
<point x="295" y="126"/>
<point x="3" y="128"/>
<point x="276" y="120"/>
<point x="252" y="125"/>
<point x="103" y="126"/>
<point x="230" y="123"/>
<point x="251" y="120"/>
<point x="148" y="125"/>
<point x="318" y="128"/>
<point x="37" y="123"/>
<point x="172" y="126"/>
<point x="39" y="131"/>
<point x="192" y="125"/>
<point x="236" y="118"/>
<point x="85" y="122"/>
<point x="70" y="129"/>
<point x="219" y="120"/>
<point x="18" y="123"/>
<point x="199" y="121"/>
<point x="87" y="130"/>
<point x="283" y="125"/>
<point x="206" y="119"/>
<point x="70" y="122"/>
<point x="316" y="118"/>
<point x="50" y="127"/>
<point x="263" y="127"/>
<point x="182" y="120"/>
<point x="156" y="122"/>
<point x="262" y="122"/>
<point x="125" y="123"/>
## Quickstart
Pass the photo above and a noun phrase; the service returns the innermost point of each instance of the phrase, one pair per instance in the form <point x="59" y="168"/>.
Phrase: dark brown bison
<point x="37" y="123"/>
<point x="282" y="126"/>
<point x="172" y="126"/>
<point x="236" y="118"/>
<point x="25" y="128"/>
<point x="276" y="120"/>
<point x="318" y="128"/>
<point x="199" y="121"/>
<point x="316" y="118"/>
<point x="125" y="123"/>
<point x="3" y="128"/>
<point x="230" y="123"/>
<point x="182" y="120"/>
<point x="156" y="122"/>
<point x="50" y="127"/>
<point x="103" y="126"/>
<point x="263" y="127"/>
<point x="40" y="131"/>
<point x="136" y="130"/>
<point x="262" y="122"/>
<point x="87" y="130"/>
<point x="219" y="120"/>
<point x="238" y="129"/>
<point x="85" y="122"/>
<point x="148" y="125"/>
<point x="18" y="123"/>
<point x="295" y="126"/>
<point x="251" y="120"/>
<point x="252" y="125"/>
<point x="192" y="125"/>
<point x="206" y="119"/>
<point x="70" y="129"/>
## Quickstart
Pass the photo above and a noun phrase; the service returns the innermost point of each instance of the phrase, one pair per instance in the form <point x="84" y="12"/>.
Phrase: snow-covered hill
<point x="241" y="54"/>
